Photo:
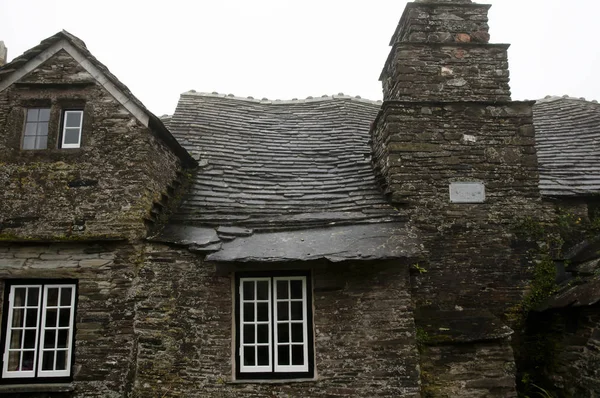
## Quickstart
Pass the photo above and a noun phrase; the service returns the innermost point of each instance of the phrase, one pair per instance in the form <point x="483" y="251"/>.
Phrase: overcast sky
<point x="282" y="49"/>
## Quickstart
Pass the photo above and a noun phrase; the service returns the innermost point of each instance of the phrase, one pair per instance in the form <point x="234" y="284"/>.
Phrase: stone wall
<point x="105" y="189"/>
<point x="105" y="343"/>
<point x="484" y="369"/>
<point x="569" y="345"/>
<point x="364" y="331"/>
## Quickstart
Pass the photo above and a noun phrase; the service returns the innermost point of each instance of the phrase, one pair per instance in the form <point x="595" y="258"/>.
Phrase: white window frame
<point x="65" y="128"/>
<point x="291" y="368"/>
<point x="255" y="368"/>
<point x="273" y="321"/>
<point x="40" y="328"/>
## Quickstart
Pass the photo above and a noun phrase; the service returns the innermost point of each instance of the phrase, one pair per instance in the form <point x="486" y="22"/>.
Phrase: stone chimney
<point x="451" y="148"/>
<point x="3" y="54"/>
<point x="440" y="51"/>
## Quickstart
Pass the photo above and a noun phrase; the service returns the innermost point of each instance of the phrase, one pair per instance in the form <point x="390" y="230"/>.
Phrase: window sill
<point x="33" y="387"/>
<point x="272" y="381"/>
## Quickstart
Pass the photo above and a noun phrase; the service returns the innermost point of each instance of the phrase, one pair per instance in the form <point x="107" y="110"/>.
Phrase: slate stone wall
<point x="575" y="372"/>
<point x="484" y="369"/>
<point x="104" y="341"/>
<point x="364" y="332"/>
<point x="105" y="189"/>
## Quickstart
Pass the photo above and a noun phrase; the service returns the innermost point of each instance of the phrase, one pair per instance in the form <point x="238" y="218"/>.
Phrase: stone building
<point x="326" y="247"/>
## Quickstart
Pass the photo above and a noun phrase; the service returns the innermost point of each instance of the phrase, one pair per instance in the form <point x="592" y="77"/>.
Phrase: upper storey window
<point x="43" y="130"/>
<point x="36" y="128"/>
<point x="71" y="131"/>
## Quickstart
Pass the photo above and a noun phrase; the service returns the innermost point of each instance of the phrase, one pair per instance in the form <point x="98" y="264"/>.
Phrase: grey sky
<point x="287" y="49"/>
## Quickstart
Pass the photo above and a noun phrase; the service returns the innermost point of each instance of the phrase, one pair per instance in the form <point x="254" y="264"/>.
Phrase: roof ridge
<point x="551" y="98"/>
<point x="338" y="96"/>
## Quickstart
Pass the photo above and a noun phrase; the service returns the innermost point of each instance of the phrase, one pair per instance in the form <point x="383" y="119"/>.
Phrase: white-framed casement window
<point x="274" y="326"/>
<point x="35" y="135"/>
<point x="39" y="331"/>
<point x="71" y="129"/>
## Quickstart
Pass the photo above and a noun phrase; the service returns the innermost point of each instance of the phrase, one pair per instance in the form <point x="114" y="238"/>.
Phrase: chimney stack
<point x="3" y="54"/>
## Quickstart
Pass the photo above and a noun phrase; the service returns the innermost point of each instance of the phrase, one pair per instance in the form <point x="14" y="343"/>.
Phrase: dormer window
<point x="36" y="128"/>
<point x="71" y="130"/>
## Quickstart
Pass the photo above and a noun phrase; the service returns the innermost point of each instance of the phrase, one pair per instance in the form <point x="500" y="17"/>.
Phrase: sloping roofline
<point x="63" y="40"/>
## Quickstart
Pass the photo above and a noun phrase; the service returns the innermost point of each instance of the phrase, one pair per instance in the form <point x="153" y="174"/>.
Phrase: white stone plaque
<point x="467" y="192"/>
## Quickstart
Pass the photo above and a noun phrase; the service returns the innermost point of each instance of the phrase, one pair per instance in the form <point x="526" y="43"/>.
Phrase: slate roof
<point x="568" y="146"/>
<point x="155" y="123"/>
<point x="272" y="165"/>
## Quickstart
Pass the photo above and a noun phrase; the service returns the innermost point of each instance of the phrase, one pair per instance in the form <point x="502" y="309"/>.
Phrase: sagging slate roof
<point x="283" y="181"/>
<point x="155" y="124"/>
<point x="568" y="146"/>
<point x="272" y="165"/>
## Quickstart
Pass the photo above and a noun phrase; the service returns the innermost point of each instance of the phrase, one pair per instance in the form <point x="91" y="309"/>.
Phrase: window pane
<point x="18" y="318"/>
<point x="31" y="317"/>
<point x="50" y="318"/>
<point x="63" y="338"/>
<point x="296" y="288"/>
<point x="262" y="290"/>
<point x="73" y="119"/>
<point x="15" y="339"/>
<point x="263" y="333"/>
<point x="48" y="360"/>
<point x="28" y="357"/>
<point x="283" y="333"/>
<point x="33" y="296"/>
<point x="282" y="289"/>
<point x="262" y="311"/>
<point x="297" y="332"/>
<point x="297" y="355"/>
<point x="44" y="115"/>
<point x="65" y="315"/>
<point x="29" y="142"/>
<point x="31" y="129"/>
<point x="248" y="289"/>
<point x="32" y="115"/>
<point x="50" y="338"/>
<point x="14" y="359"/>
<point x="283" y="354"/>
<point x="71" y="136"/>
<point x="41" y="142"/>
<point x="297" y="310"/>
<point x="282" y="311"/>
<point x="61" y="360"/>
<point x="249" y="312"/>
<point x="263" y="355"/>
<point x="20" y="297"/>
<point x="249" y="356"/>
<point x="65" y="296"/>
<point x="42" y="129"/>
<point x="249" y="333"/>
<point x="52" y="300"/>
<point x="30" y="336"/>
